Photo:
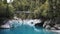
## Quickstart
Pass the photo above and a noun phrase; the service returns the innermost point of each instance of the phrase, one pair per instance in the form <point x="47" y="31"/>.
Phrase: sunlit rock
<point x="5" y="26"/>
<point x="52" y="28"/>
<point x="19" y="22"/>
<point x="57" y="26"/>
<point x="47" y="27"/>
<point x="31" y="22"/>
<point x="46" y="23"/>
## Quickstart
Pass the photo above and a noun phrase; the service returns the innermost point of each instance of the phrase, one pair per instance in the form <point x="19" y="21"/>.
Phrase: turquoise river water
<point x="25" y="29"/>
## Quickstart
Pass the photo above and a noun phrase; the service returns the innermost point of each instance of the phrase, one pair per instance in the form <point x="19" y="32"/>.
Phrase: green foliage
<point x="39" y="7"/>
<point x="45" y="8"/>
<point x="10" y="11"/>
<point x="2" y="9"/>
<point x="6" y="10"/>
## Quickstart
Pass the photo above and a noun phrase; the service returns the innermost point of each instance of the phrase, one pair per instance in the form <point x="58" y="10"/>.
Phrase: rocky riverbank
<point x="19" y="22"/>
<point x="51" y="24"/>
<point x="48" y="24"/>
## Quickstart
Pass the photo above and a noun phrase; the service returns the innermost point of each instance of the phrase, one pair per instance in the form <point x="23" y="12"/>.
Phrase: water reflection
<point x="4" y="31"/>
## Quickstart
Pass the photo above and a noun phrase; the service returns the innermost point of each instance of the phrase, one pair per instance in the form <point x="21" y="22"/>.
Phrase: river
<point x="25" y="28"/>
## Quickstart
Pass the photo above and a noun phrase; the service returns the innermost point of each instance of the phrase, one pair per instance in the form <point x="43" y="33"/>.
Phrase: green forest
<point x="49" y="9"/>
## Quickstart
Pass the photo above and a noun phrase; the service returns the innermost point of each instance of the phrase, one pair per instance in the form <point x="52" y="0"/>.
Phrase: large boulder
<point x="53" y="28"/>
<point x="57" y="26"/>
<point x="9" y="24"/>
<point x="46" y="23"/>
<point x="48" y="27"/>
<point x="5" y="26"/>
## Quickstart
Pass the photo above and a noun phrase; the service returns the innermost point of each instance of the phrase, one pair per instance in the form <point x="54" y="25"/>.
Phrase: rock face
<point x="57" y="26"/>
<point x="16" y="23"/>
<point x="52" y="24"/>
<point x="5" y="25"/>
<point x="8" y="24"/>
<point x="49" y="24"/>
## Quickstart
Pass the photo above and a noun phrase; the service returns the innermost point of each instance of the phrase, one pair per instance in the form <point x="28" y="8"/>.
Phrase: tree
<point x="4" y="9"/>
<point x="10" y="11"/>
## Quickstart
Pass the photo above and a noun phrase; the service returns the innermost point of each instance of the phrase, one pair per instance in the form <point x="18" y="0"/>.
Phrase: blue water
<point x="25" y="29"/>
